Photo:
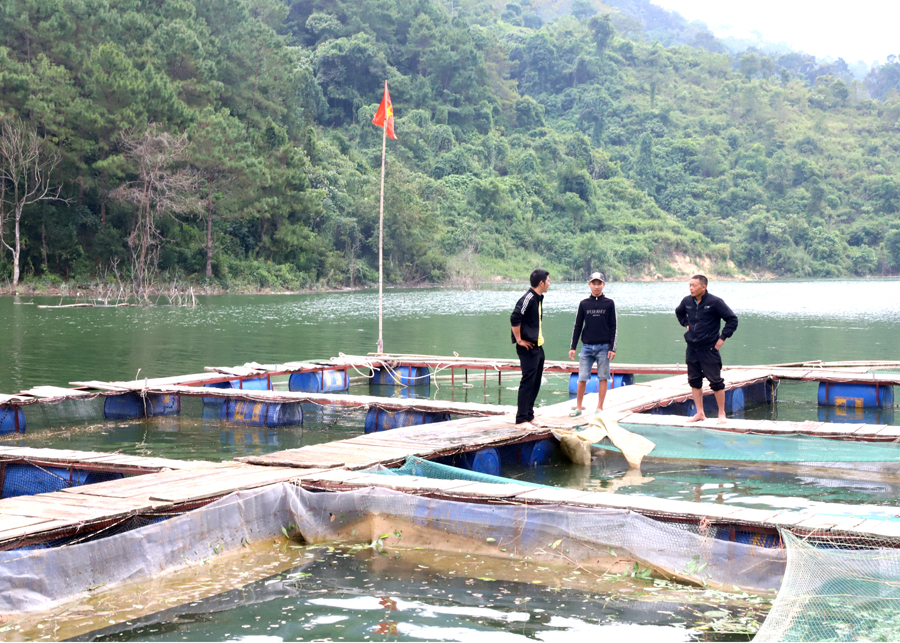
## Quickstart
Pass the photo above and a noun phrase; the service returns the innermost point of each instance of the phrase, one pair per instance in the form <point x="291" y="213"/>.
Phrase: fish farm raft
<point x="436" y="471"/>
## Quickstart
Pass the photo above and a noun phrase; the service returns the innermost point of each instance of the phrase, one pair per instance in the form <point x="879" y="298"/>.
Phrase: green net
<point x="833" y="591"/>
<point x="425" y="468"/>
<point x="697" y="443"/>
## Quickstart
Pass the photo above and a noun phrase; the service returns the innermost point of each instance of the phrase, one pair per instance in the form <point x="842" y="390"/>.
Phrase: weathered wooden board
<point x="68" y="458"/>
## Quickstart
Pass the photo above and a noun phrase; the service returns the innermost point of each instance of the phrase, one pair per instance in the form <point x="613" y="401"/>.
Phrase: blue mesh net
<point x="28" y="480"/>
<point x="696" y="443"/>
<point x="425" y="468"/>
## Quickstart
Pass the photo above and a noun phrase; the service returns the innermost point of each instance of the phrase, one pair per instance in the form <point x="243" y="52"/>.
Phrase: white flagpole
<point x="381" y="240"/>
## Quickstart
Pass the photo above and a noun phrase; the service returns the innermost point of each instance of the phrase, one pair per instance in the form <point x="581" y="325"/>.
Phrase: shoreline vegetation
<point x="184" y="293"/>
<point x="228" y="146"/>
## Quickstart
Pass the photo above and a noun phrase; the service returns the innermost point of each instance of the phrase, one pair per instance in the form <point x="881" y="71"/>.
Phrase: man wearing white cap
<point x="596" y="324"/>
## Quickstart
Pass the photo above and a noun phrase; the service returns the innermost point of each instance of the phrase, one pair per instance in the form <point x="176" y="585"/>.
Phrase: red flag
<point x="384" y="117"/>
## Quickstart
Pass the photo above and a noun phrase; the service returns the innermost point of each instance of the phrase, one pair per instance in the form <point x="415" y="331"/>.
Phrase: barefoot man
<point x="701" y="313"/>
<point x="595" y="323"/>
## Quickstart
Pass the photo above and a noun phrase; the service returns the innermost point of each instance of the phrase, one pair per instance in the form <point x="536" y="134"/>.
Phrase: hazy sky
<point x="864" y="30"/>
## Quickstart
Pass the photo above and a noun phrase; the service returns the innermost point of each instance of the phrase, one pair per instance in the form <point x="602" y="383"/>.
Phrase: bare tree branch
<point x="27" y="162"/>
<point x="161" y="187"/>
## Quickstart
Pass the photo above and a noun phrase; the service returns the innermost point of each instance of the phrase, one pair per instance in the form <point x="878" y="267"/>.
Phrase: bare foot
<point x="722" y="420"/>
<point x="697" y="418"/>
<point x="524" y="425"/>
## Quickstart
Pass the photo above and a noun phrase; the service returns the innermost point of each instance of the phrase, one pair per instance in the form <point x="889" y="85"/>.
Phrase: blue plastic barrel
<point x="132" y="405"/>
<point x="537" y="453"/>
<point x="759" y="393"/>
<point x="734" y="400"/>
<point x="616" y="380"/>
<point x="12" y="420"/>
<point x="856" y="395"/>
<point x="270" y="414"/>
<point x="324" y="381"/>
<point x="28" y="480"/>
<point x="482" y="461"/>
<point x="769" y="541"/>
<point x="381" y="420"/>
<point x="254" y="384"/>
<point x="402" y="376"/>
<point x="853" y="415"/>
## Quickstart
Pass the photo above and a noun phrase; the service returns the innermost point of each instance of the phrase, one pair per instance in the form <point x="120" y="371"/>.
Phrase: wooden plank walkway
<point x="455" y="363"/>
<point x="391" y="448"/>
<point x="334" y="399"/>
<point x="335" y="465"/>
<point x="78" y="510"/>
<point x="471" y="434"/>
<point x="95" y="461"/>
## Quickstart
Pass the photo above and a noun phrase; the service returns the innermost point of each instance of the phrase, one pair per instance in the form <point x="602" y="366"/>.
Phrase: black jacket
<point x="703" y="320"/>
<point x="525" y="314"/>
<point x="598" y="316"/>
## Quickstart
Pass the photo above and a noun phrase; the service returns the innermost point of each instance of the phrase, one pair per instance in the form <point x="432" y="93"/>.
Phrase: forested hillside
<point x="229" y="142"/>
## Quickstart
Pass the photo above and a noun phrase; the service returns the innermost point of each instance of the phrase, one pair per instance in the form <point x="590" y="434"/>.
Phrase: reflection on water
<point x="336" y="593"/>
<point x="760" y="485"/>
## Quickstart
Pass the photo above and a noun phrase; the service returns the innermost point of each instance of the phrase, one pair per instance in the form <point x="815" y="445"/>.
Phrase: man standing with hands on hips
<point x="701" y="314"/>
<point x="528" y="336"/>
<point x="596" y="324"/>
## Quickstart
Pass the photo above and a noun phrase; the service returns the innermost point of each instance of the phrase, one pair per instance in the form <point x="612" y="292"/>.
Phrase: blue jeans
<point x="591" y="353"/>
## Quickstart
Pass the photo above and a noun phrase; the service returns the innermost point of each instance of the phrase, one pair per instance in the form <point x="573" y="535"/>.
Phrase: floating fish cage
<point x="736" y="401"/>
<point x="616" y="380"/>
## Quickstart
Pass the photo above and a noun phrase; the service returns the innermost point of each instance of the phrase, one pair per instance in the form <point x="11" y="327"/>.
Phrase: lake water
<point x="779" y="322"/>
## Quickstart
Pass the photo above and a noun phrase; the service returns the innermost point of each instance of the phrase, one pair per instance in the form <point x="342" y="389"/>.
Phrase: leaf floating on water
<point x="491" y="540"/>
<point x="556" y="544"/>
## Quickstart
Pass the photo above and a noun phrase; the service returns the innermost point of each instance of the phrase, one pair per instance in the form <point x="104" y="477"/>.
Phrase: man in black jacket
<point x="528" y="336"/>
<point x="595" y="324"/>
<point x="701" y="313"/>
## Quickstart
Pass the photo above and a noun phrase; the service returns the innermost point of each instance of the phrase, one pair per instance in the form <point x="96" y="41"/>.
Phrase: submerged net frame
<point x="587" y="538"/>
<point x="700" y="443"/>
<point x="837" y="588"/>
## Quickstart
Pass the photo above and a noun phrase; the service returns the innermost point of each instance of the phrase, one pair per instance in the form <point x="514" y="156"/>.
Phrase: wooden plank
<point x="872" y="528"/>
<point x="845" y="524"/>
<point x="753" y="516"/>
<point x="409" y="483"/>
<point x="818" y="523"/>
<point x="489" y="490"/>
<point x="12" y="522"/>
<point x="877" y="529"/>
<point x="5" y="399"/>
<point x="59" y="499"/>
<point x="331" y="475"/>
<point x="143" y="485"/>
<point x="73" y="458"/>
<point x="102" y="386"/>
<point x="55" y="391"/>
<point x="218" y="486"/>
<point x="36" y="527"/>
<point x="552" y="495"/>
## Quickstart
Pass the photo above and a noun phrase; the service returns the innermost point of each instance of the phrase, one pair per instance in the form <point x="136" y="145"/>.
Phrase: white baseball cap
<point x="597" y="276"/>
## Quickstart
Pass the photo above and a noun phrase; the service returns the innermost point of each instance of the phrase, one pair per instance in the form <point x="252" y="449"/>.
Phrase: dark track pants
<point x="704" y="362"/>
<point x="532" y="362"/>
